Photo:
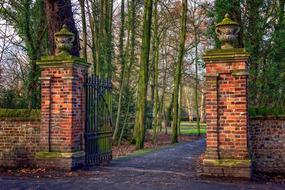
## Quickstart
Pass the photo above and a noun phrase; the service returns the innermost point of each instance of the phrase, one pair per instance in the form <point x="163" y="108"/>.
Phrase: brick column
<point x="63" y="112"/>
<point x="227" y="113"/>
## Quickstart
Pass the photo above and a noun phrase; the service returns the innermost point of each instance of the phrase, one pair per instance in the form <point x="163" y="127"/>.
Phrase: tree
<point x="253" y="43"/>
<point x="100" y="16"/>
<point x="123" y="68"/>
<point x="143" y="76"/>
<point x="26" y="17"/>
<point x="58" y="13"/>
<point x="177" y="79"/>
<point x="84" y="28"/>
<point x="196" y="41"/>
<point x="232" y="7"/>
<point x="156" y="62"/>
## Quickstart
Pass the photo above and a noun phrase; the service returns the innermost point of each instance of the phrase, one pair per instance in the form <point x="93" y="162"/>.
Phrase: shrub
<point x="266" y="111"/>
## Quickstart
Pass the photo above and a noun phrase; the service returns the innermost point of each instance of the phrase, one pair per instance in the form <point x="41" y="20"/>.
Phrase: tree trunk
<point x="169" y="113"/>
<point x="188" y="95"/>
<point x="93" y="36"/>
<point x="162" y="114"/>
<point x="180" y="108"/>
<point x="124" y="124"/>
<point x="34" y="53"/>
<point x="84" y="28"/>
<point x="156" y="61"/>
<point x="131" y="58"/>
<point x="133" y="32"/>
<point x="202" y="110"/>
<point x="58" y="13"/>
<point x="196" y="80"/>
<point x="109" y="39"/>
<point x="143" y="79"/>
<point x="177" y="78"/>
<point x="123" y="68"/>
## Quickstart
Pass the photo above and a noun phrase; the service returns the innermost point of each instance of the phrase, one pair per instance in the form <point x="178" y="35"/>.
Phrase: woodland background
<point x="151" y="49"/>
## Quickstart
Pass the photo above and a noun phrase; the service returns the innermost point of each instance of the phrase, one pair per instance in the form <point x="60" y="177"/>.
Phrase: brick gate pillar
<point x="62" y="107"/>
<point x="227" y="106"/>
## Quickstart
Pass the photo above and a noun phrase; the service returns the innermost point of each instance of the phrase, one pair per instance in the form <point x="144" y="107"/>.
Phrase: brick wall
<point x="267" y="144"/>
<point x="19" y="140"/>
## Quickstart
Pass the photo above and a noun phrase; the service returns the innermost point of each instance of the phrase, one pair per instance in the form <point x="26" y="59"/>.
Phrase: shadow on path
<point x="172" y="167"/>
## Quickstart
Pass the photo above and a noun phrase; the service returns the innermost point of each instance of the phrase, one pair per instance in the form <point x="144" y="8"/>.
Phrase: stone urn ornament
<point x="64" y="40"/>
<point x="227" y="32"/>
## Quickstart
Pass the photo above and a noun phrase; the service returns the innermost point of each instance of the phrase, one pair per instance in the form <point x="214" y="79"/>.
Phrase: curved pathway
<point x="173" y="167"/>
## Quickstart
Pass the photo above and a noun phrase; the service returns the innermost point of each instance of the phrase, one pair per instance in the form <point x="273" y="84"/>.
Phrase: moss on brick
<point x="48" y="155"/>
<point x="227" y="162"/>
<point x="227" y="51"/>
<point x="225" y="54"/>
<point x="61" y="59"/>
<point x="22" y="114"/>
<point x="59" y="154"/>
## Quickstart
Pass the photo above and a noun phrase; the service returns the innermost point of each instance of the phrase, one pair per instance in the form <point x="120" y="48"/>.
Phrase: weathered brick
<point x="226" y="110"/>
<point x="267" y="144"/>
<point x="19" y="141"/>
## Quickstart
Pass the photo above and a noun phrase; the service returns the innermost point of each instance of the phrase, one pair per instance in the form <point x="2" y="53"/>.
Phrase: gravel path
<point x="174" y="167"/>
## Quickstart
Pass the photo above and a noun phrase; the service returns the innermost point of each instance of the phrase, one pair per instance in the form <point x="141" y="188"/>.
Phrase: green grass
<point x="193" y="131"/>
<point x="188" y="128"/>
<point x="192" y="124"/>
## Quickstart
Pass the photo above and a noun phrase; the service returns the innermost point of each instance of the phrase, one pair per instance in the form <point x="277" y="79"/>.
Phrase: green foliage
<point x="271" y="79"/>
<point x="29" y="114"/>
<point x="9" y="98"/>
<point x="178" y="72"/>
<point x="143" y="77"/>
<point x="266" y="111"/>
<point x="127" y="112"/>
<point x="102" y="37"/>
<point x="28" y="19"/>
<point x="263" y="36"/>
<point x="222" y="7"/>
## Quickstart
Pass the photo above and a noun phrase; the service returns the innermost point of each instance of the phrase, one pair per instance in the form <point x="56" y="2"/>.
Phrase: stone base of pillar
<point x="60" y="161"/>
<point x="227" y="168"/>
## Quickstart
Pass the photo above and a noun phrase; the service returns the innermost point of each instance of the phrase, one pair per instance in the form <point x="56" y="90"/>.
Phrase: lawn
<point x="188" y="128"/>
<point x="193" y="131"/>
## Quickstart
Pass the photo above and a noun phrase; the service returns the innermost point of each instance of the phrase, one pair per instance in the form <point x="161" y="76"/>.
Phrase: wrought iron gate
<point x="98" y="132"/>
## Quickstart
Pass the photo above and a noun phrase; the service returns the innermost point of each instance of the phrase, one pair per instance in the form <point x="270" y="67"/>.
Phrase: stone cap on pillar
<point x="61" y="60"/>
<point x="234" y="61"/>
<point x="226" y="54"/>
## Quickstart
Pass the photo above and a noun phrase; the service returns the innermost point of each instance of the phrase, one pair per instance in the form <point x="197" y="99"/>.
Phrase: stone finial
<point x="63" y="41"/>
<point x="227" y="32"/>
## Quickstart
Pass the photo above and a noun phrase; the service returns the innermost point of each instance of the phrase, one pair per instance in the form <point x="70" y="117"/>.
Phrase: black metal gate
<point x="98" y="132"/>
